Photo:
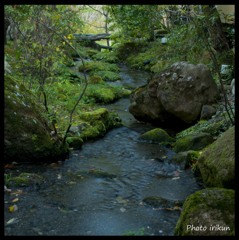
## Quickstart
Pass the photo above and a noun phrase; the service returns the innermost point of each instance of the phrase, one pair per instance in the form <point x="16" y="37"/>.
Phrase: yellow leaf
<point x="70" y="36"/>
<point x="12" y="208"/>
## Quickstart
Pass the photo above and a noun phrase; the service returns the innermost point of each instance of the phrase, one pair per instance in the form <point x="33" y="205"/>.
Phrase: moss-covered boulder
<point x="208" y="212"/>
<point x="157" y="135"/>
<point x="193" y="142"/>
<point x="74" y="142"/>
<point x="27" y="132"/>
<point x="104" y="93"/>
<point x="185" y="159"/>
<point x="98" y="122"/>
<point x="217" y="162"/>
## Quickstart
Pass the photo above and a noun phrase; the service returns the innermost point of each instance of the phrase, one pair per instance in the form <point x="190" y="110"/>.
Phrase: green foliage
<point x="213" y="127"/>
<point x="106" y="75"/>
<point x="135" y="21"/>
<point x="106" y="56"/>
<point x="7" y="179"/>
<point x="39" y="51"/>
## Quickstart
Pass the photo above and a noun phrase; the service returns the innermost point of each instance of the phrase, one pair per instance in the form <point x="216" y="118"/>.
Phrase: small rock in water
<point x="122" y="209"/>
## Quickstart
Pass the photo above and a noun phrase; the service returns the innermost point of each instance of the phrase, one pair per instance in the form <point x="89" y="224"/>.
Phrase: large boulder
<point x="175" y="95"/>
<point x="208" y="212"/>
<point x="217" y="162"/>
<point x="27" y="133"/>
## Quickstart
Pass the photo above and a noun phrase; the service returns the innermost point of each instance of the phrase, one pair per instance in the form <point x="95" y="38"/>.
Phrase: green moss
<point x="217" y="162"/>
<point x="106" y="56"/>
<point x="188" y="158"/>
<point x="192" y="142"/>
<point x="157" y="135"/>
<point x="27" y="129"/>
<point x="218" y="205"/>
<point x="93" y="132"/>
<point x="94" y="79"/>
<point x="106" y="75"/>
<point x="74" y="142"/>
<point x="25" y="180"/>
<point x="213" y="127"/>
<point x="98" y="114"/>
<point x="99" y="122"/>
<point x="104" y="93"/>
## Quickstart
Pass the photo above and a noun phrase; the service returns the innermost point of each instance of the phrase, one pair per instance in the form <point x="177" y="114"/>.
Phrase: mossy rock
<point x="104" y="93"/>
<point x="26" y="180"/>
<point x="74" y="142"/>
<point x="161" y="202"/>
<point x="94" y="79"/>
<point x="106" y="56"/>
<point x="157" y="135"/>
<point x="206" y="208"/>
<point x="217" y="162"/>
<point x="186" y="159"/>
<point x="98" y="114"/>
<point x="213" y="126"/>
<point x="99" y="122"/>
<point x="106" y="75"/>
<point x="27" y="131"/>
<point x="193" y="142"/>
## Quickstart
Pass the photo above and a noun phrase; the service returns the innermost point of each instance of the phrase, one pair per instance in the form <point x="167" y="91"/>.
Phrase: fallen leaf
<point x="175" y="178"/>
<point x="12" y="220"/>
<point x="15" y="200"/>
<point x="12" y="208"/>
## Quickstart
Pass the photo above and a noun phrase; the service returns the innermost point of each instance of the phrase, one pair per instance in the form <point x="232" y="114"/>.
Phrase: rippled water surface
<point x="74" y="200"/>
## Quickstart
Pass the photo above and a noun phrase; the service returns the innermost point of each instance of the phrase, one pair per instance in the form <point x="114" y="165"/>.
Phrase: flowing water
<point x="75" y="200"/>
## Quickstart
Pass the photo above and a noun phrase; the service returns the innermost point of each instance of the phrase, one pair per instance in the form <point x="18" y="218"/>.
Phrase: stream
<point x="71" y="201"/>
